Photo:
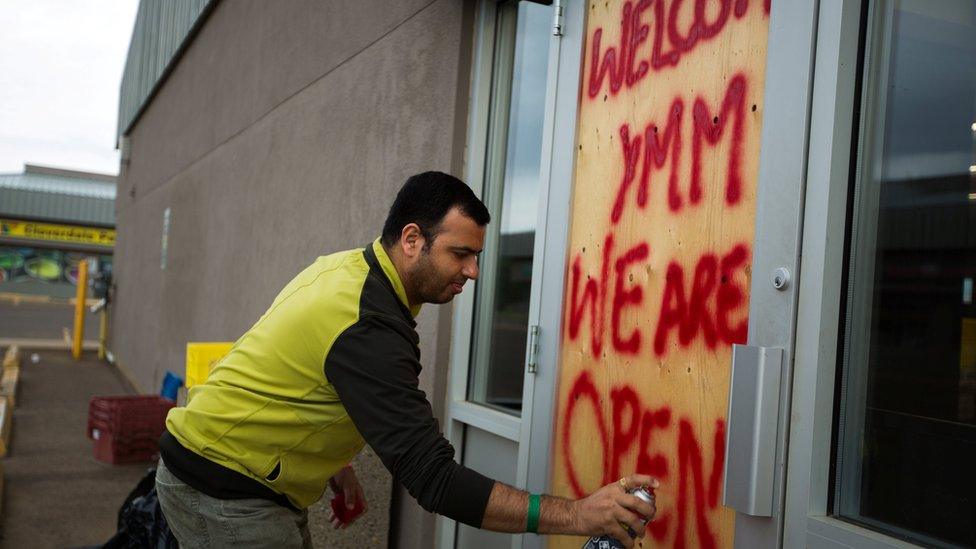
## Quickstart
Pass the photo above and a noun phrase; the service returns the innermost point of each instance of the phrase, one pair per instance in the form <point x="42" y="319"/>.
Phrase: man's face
<point x="440" y="271"/>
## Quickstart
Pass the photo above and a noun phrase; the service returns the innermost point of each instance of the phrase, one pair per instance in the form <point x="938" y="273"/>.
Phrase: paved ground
<point x="41" y="320"/>
<point x="55" y="493"/>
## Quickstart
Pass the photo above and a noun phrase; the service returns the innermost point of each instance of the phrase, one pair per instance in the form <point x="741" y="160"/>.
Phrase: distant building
<point x="50" y="219"/>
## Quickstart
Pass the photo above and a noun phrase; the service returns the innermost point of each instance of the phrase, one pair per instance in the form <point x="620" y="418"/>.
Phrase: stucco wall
<point x="281" y="135"/>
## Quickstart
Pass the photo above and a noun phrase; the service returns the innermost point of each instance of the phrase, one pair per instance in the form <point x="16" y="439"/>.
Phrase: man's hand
<point x="611" y="510"/>
<point x="345" y="482"/>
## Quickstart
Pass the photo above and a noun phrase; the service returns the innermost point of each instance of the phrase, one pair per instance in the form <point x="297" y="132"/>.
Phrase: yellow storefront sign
<point x="52" y="232"/>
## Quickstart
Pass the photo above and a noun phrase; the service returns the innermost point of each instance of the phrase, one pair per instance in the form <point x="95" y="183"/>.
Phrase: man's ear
<point x="411" y="240"/>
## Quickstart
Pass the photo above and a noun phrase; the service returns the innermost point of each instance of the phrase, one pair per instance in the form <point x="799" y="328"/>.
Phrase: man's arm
<point x="603" y="512"/>
<point x="374" y="369"/>
<point x="375" y="374"/>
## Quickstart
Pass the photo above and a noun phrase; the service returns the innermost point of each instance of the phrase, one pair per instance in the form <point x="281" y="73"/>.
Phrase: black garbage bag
<point x="141" y="521"/>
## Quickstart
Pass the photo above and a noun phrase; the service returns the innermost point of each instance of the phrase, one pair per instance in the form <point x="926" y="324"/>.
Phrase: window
<point x="514" y="147"/>
<point x="46" y="271"/>
<point x="906" y="427"/>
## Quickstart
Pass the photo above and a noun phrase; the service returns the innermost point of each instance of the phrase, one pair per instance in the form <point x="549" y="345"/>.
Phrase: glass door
<point x="884" y="431"/>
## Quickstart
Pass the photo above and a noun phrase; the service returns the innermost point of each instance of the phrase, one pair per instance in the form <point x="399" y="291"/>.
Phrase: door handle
<point x="750" y="443"/>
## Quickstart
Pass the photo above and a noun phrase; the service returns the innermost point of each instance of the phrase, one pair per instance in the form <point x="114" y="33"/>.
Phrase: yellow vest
<point x="267" y="407"/>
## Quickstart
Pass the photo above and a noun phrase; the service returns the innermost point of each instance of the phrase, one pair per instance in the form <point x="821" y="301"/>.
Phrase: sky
<point x="61" y="64"/>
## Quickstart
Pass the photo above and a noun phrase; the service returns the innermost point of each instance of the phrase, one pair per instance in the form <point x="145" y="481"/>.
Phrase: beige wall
<point x="282" y="134"/>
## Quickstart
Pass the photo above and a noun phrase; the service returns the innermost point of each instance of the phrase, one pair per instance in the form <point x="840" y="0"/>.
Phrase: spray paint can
<point x="609" y="542"/>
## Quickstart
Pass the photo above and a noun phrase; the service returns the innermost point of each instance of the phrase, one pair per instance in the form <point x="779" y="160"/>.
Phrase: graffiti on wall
<point x="659" y="264"/>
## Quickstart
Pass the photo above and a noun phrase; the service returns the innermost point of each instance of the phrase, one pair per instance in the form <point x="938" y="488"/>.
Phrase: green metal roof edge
<point x="59" y="185"/>
<point x="147" y="64"/>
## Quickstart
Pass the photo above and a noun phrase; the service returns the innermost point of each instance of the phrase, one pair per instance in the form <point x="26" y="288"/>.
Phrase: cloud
<point x="61" y="64"/>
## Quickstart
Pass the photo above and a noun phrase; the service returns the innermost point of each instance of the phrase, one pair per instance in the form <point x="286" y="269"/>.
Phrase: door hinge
<point x="557" y="18"/>
<point x="533" y="362"/>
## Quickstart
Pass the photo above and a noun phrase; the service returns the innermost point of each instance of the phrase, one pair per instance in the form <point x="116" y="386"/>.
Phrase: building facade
<point x="730" y="244"/>
<point x="50" y="220"/>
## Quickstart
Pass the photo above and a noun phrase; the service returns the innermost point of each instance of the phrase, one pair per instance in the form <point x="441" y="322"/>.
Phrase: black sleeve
<point x="374" y="367"/>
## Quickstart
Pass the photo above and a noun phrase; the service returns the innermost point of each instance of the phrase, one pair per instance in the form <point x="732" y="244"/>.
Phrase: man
<point x="333" y="365"/>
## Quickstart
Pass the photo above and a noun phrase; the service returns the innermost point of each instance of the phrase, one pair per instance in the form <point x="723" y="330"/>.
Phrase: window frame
<point x="808" y="519"/>
<point x="510" y="28"/>
<point x="533" y="432"/>
<point x="459" y="409"/>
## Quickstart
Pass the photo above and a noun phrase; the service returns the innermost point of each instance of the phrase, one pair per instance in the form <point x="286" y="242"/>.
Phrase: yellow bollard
<point x="80" y="309"/>
<point x="102" y="332"/>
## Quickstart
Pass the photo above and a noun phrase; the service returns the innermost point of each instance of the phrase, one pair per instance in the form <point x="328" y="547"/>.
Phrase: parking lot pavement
<point x="55" y="494"/>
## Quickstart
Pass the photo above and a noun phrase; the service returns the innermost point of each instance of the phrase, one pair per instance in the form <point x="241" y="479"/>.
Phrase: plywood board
<point x="660" y="256"/>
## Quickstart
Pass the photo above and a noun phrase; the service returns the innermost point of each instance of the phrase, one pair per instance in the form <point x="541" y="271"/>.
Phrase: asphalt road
<point x="41" y="320"/>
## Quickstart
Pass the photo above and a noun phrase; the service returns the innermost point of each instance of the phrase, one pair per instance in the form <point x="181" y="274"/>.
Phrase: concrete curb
<point x="47" y="344"/>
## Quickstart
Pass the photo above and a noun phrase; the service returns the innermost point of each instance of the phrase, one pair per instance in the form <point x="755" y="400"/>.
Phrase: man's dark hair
<point x="425" y="199"/>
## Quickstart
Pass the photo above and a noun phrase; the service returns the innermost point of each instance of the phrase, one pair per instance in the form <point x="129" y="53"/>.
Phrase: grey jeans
<point x="198" y="520"/>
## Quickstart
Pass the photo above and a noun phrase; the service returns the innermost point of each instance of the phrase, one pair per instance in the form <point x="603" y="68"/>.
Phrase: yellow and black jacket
<point x="332" y="364"/>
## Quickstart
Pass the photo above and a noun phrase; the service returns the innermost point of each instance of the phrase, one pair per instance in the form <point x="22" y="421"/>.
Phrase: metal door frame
<point x="832" y="125"/>
<point x="558" y="170"/>
<point x="547" y="269"/>
<point x="779" y="223"/>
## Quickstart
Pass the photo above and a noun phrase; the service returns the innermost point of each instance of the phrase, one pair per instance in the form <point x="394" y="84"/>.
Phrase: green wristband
<point x="535" y="502"/>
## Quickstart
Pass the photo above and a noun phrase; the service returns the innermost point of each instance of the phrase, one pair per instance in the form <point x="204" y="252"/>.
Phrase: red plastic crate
<point x="127" y="428"/>
<point x="128" y="414"/>
<point x="111" y="449"/>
